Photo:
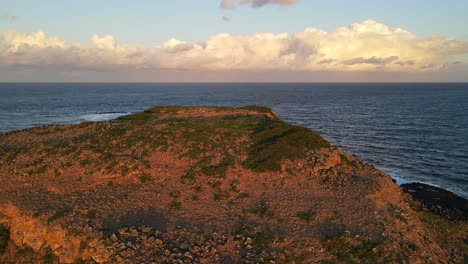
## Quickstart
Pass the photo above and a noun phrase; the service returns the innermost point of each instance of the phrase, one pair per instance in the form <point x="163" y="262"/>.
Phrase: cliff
<point x="206" y="185"/>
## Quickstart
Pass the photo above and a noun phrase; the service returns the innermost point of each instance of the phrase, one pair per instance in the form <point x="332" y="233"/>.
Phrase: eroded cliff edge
<point x="206" y="185"/>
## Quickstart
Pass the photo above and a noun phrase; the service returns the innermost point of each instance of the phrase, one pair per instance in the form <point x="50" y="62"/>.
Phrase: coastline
<point x="206" y="184"/>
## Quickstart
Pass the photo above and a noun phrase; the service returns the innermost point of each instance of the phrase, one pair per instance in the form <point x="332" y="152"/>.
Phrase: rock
<point x="188" y="255"/>
<point x="121" y="248"/>
<point x="146" y="229"/>
<point x="213" y="251"/>
<point x="248" y="241"/>
<point x="122" y="230"/>
<point x="184" y="246"/>
<point x="158" y="242"/>
<point x="249" y="247"/>
<point x="113" y="237"/>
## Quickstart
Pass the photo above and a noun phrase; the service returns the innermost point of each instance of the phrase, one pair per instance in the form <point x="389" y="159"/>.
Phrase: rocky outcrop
<point x="28" y="232"/>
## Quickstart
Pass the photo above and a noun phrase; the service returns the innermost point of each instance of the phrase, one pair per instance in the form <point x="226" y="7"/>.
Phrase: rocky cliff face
<point x="206" y="185"/>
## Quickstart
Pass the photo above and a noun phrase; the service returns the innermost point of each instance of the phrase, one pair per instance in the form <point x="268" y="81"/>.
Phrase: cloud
<point x="230" y="4"/>
<point x="372" y="60"/>
<point x="8" y="18"/>
<point x="367" y="46"/>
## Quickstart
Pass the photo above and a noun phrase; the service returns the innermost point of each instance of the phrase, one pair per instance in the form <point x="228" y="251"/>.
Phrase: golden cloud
<point x="366" y="46"/>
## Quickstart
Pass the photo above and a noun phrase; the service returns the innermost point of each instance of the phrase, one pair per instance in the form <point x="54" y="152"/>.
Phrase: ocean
<point x="412" y="131"/>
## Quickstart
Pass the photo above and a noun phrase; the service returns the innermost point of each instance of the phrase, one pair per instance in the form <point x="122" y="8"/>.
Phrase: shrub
<point x="275" y="141"/>
<point x="4" y="237"/>
<point x="175" y="205"/>
<point x="306" y="216"/>
<point x="59" y="214"/>
<point x="145" y="178"/>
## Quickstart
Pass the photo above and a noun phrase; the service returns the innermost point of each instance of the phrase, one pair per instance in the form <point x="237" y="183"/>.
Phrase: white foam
<point x="102" y="116"/>
<point x="395" y="174"/>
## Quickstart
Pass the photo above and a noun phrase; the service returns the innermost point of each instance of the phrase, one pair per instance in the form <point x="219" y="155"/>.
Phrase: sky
<point x="233" y="40"/>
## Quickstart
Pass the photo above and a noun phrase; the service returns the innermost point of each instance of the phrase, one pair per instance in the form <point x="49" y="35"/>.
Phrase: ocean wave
<point x="102" y="116"/>
<point x="401" y="178"/>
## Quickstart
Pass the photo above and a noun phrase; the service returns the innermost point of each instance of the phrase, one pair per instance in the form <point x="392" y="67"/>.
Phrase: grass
<point x="175" y="205"/>
<point x="189" y="176"/>
<point x="220" y="169"/>
<point x="345" y="252"/>
<point x="307" y="216"/>
<point x="262" y="209"/>
<point x="263" y="240"/>
<point x="58" y="215"/>
<point x="275" y="141"/>
<point x="215" y="184"/>
<point x="49" y="257"/>
<point x="91" y="214"/>
<point x="344" y="159"/>
<point x="220" y="195"/>
<point x="145" y="178"/>
<point x="448" y="234"/>
<point x="27" y="250"/>
<point x="242" y="196"/>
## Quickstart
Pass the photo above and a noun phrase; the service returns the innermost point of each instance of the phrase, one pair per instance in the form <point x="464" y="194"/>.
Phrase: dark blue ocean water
<point x="414" y="132"/>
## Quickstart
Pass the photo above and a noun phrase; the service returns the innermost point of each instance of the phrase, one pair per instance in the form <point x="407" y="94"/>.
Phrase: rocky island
<point x="207" y="185"/>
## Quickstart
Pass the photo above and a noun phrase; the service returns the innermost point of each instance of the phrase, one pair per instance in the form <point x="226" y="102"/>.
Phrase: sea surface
<point x="414" y="132"/>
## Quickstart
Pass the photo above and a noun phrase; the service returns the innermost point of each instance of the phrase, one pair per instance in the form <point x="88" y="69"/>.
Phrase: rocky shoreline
<point x="438" y="200"/>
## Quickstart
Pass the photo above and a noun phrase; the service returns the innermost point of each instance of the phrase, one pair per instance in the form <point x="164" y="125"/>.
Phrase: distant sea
<point x="414" y="132"/>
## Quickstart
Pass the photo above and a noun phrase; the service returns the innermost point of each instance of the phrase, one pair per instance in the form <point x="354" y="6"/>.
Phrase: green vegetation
<point x="49" y="257"/>
<point x="4" y="237"/>
<point x="262" y="209"/>
<point x="59" y="214"/>
<point x="145" y="178"/>
<point x="215" y="184"/>
<point x="27" y="250"/>
<point x="189" y="176"/>
<point x="344" y="159"/>
<point x="175" y="205"/>
<point x="307" y="216"/>
<point x="274" y="141"/>
<point x="263" y="240"/>
<point x="220" y="195"/>
<point x="342" y="247"/>
<point x="91" y="214"/>
<point x="198" y="189"/>
<point x="220" y="169"/>
<point x="448" y="234"/>
<point x="242" y="196"/>
<point x="411" y="246"/>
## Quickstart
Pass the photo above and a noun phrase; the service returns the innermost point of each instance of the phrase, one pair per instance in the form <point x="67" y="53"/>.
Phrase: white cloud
<point x="362" y="47"/>
<point x="229" y="4"/>
<point x="8" y="18"/>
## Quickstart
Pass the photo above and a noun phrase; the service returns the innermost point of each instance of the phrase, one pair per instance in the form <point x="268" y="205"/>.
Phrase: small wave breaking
<point x="102" y="116"/>
<point x="397" y="175"/>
